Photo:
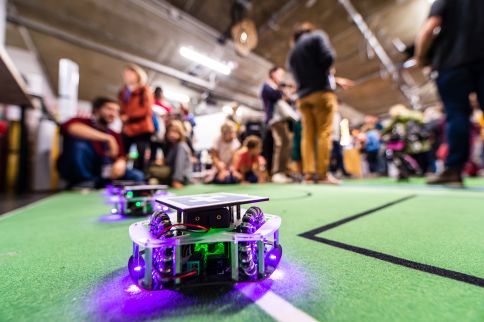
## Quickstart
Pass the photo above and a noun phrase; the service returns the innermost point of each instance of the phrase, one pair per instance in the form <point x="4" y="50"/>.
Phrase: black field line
<point x="354" y="217"/>
<point x="461" y="277"/>
<point x="415" y="186"/>
<point x="457" y="276"/>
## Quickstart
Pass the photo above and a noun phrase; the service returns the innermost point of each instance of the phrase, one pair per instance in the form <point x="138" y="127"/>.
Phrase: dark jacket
<point x="461" y="38"/>
<point x="310" y="62"/>
<point x="269" y="97"/>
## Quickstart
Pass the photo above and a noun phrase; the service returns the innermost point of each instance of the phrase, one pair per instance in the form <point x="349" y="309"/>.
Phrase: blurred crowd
<point x="301" y="136"/>
<point x="413" y="143"/>
<point x="155" y="141"/>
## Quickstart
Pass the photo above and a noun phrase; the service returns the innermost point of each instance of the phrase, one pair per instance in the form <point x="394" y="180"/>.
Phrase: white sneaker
<point x="330" y="180"/>
<point x="280" y="178"/>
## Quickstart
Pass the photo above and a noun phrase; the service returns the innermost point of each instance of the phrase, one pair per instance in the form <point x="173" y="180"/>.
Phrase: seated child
<point x="178" y="155"/>
<point x="249" y="162"/>
<point x="222" y="154"/>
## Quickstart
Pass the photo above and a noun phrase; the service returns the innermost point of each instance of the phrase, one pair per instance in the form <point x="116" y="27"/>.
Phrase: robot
<point x="131" y="199"/>
<point x="208" y="239"/>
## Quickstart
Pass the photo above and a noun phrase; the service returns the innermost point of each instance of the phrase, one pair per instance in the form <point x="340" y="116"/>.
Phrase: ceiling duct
<point x="380" y="52"/>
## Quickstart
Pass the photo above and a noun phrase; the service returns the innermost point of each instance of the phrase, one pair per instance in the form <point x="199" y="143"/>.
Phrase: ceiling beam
<point x="189" y="24"/>
<point x="116" y="53"/>
<point x="273" y="22"/>
<point x="3" y="25"/>
<point x="106" y="50"/>
<point x="30" y="44"/>
<point x="371" y="39"/>
<point x="377" y="47"/>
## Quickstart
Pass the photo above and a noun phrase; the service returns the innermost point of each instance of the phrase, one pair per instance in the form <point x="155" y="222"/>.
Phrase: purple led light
<point x="133" y="289"/>
<point x="109" y="190"/>
<point x="277" y="275"/>
<point x="272" y="259"/>
<point x="112" y="218"/>
<point x="136" y="268"/>
<point x="287" y="279"/>
<point x="114" y="199"/>
<point x="116" y="297"/>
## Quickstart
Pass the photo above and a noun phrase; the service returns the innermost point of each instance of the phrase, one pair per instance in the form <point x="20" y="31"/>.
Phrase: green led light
<point x="138" y="204"/>
<point x="219" y="249"/>
<point x="199" y="247"/>
<point x="129" y="194"/>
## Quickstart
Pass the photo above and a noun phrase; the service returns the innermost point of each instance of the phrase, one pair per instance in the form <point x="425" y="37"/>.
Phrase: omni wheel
<point x="247" y="251"/>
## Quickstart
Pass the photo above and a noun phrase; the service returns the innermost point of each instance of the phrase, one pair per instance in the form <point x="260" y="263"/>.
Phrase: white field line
<point x="276" y="307"/>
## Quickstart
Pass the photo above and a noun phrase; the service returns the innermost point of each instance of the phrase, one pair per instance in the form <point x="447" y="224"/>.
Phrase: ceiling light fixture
<point x="409" y="63"/>
<point x="243" y="37"/>
<point x="177" y="97"/>
<point x="227" y="109"/>
<point x="206" y="61"/>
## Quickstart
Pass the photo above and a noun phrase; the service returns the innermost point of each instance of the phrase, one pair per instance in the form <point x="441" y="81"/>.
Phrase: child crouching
<point x="249" y="162"/>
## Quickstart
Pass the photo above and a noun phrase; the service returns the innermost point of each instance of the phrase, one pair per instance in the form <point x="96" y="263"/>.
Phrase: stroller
<point x="403" y="139"/>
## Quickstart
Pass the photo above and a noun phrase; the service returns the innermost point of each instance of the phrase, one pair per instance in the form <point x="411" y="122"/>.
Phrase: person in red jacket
<point x="136" y="100"/>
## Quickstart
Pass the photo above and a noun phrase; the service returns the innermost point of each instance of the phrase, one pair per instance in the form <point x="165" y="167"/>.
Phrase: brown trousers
<point x="317" y="110"/>
<point x="281" y="154"/>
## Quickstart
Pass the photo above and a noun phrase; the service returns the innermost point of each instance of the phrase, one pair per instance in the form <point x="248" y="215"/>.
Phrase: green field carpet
<point x="60" y="262"/>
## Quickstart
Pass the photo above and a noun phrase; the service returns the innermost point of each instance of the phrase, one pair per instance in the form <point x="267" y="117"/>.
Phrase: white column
<point x="3" y="21"/>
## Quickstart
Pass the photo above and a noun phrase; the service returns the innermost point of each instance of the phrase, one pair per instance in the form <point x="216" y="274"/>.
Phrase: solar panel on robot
<point x="132" y="199"/>
<point x="209" y="239"/>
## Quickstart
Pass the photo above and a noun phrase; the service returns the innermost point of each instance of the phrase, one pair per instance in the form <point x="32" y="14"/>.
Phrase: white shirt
<point x="336" y="127"/>
<point x="226" y="150"/>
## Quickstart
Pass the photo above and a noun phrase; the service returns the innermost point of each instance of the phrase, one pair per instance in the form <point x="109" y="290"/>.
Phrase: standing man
<point x="310" y="61"/>
<point x="271" y="93"/>
<point x="458" y="57"/>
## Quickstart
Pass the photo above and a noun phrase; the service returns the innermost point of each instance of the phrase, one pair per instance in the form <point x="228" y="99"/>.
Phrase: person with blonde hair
<point x="178" y="156"/>
<point x="136" y="100"/>
<point x="222" y="154"/>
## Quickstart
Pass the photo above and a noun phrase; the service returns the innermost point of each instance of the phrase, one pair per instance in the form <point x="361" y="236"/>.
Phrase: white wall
<point x="30" y="68"/>
<point x="68" y="89"/>
<point x="3" y="17"/>
<point x="208" y="130"/>
<point x="41" y="132"/>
